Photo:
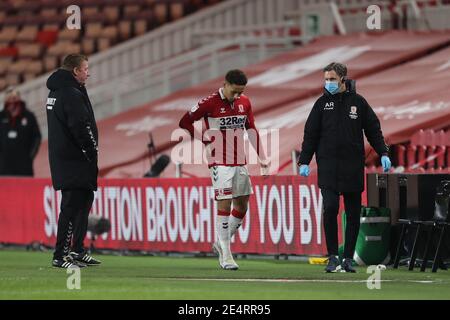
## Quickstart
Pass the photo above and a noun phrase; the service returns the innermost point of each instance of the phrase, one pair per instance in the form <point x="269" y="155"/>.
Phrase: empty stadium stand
<point x="427" y="149"/>
<point x="33" y="37"/>
<point x="140" y="80"/>
<point x="384" y="66"/>
<point x="170" y="57"/>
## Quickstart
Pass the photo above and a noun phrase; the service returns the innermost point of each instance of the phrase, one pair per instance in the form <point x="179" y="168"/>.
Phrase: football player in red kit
<point x="227" y="114"/>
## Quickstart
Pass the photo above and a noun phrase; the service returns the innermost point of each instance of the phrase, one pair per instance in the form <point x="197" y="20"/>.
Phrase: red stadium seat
<point x="446" y="138"/>
<point x="411" y="156"/>
<point x="111" y="13"/>
<point x="440" y="160"/>
<point x="47" y="37"/>
<point x="400" y="155"/>
<point x="421" y="155"/>
<point x="9" y="52"/>
<point x="438" y="138"/>
<point x="428" y="137"/>
<point x="430" y="151"/>
<point x="27" y="33"/>
<point x="418" y="138"/>
<point x="39" y="26"/>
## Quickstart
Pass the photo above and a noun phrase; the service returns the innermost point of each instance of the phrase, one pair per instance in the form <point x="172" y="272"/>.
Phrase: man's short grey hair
<point x="11" y="91"/>
<point x="339" y="68"/>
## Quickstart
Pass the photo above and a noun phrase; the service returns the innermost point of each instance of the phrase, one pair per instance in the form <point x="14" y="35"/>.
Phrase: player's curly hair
<point x="237" y="77"/>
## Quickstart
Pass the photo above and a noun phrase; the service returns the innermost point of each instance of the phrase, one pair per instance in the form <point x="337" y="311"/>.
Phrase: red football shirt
<point x="230" y="119"/>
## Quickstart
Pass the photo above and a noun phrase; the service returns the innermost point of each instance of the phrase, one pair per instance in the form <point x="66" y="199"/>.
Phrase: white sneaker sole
<point x="229" y="266"/>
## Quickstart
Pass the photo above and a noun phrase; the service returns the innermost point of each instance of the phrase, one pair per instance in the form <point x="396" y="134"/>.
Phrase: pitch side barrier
<point x="172" y="215"/>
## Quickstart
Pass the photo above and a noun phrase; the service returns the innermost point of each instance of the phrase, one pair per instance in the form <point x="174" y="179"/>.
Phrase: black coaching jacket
<point x="72" y="134"/>
<point x="334" y="132"/>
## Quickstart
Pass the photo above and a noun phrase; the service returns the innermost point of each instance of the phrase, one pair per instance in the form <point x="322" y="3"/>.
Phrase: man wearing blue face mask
<point x="334" y="132"/>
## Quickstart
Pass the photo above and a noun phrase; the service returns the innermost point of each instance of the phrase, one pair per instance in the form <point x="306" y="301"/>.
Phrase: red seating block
<point x="401" y="155"/>
<point x="411" y="155"/>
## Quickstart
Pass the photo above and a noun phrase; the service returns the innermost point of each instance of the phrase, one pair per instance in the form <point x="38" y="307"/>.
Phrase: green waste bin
<point x="372" y="246"/>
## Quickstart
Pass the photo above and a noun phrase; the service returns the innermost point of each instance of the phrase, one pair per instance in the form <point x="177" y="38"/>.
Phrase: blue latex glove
<point x="304" y="170"/>
<point x="386" y="163"/>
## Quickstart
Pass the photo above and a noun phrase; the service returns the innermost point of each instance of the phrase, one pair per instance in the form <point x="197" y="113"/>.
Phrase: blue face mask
<point x="332" y="87"/>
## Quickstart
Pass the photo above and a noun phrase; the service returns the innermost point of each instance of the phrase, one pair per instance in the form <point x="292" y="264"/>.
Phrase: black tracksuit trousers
<point x="73" y="221"/>
<point x="352" y="202"/>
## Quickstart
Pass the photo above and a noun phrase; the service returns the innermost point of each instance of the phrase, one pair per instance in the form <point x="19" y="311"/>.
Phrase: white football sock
<point x="235" y="221"/>
<point x="234" y="224"/>
<point x="223" y="233"/>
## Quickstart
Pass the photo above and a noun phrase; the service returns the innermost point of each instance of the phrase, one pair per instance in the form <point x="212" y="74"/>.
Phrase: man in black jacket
<point x="72" y="147"/>
<point x="334" y="132"/>
<point x="20" y="137"/>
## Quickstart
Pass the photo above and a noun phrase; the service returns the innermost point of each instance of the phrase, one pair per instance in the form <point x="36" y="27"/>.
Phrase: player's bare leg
<point x="222" y="246"/>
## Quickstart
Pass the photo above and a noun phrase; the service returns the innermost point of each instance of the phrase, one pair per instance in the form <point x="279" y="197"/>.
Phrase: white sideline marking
<point x="291" y="280"/>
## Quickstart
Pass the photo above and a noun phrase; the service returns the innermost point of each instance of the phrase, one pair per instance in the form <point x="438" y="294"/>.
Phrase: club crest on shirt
<point x="241" y="108"/>
<point x="353" y="112"/>
<point x="222" y="110"/>
<point x="24" y="122"/>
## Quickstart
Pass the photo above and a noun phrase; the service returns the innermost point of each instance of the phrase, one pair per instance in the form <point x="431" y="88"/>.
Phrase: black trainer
<point x="67" y="262"/>
<point x="347" y="266"/>
<point x="333" y="264"/>
<point x="84" y="258"/>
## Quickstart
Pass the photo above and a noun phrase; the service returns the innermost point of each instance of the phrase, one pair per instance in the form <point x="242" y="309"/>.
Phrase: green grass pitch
<point x="28" y="275"/>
